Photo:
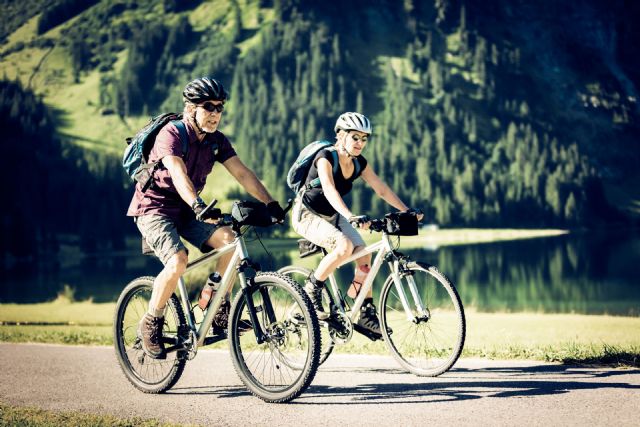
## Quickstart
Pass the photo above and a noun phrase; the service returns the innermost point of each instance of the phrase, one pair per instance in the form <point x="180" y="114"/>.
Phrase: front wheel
<point x="282" y="366"/>
<point x="145" y="373"/>
<point x="427" y="342"/>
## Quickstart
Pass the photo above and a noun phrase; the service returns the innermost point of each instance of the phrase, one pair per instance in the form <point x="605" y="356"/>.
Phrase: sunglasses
<point x="211" y="107"/>
<point x="357" y="138"/>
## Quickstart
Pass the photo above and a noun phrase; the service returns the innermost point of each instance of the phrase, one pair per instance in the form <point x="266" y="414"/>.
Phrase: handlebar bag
<point x="251" y="213"/>
<point x="401" y="224"/>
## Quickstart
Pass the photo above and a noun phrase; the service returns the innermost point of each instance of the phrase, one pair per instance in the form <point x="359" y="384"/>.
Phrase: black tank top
<point x="314" y="198"/>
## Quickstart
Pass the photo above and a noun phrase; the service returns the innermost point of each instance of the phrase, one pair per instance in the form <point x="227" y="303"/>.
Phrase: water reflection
<point x="590" y="273"/>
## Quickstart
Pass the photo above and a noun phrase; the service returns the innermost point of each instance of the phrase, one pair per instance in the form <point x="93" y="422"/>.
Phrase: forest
<point x="520" y="114"/>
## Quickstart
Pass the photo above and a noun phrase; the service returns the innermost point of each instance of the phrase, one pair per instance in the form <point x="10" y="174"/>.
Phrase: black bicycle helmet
<point x="204" y="89"/>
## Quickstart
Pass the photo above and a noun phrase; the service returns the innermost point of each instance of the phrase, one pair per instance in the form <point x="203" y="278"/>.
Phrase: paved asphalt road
<point x="348" y="390"/>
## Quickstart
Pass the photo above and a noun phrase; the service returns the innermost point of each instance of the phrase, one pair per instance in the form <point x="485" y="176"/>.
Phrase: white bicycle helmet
<point x="353" y="121"/>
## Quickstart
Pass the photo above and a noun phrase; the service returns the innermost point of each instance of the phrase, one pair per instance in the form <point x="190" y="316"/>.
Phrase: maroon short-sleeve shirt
<point x="199" y="160"/>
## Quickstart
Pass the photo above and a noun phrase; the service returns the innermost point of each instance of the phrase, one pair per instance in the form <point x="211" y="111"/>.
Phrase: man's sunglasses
<point x="211" y="107"/>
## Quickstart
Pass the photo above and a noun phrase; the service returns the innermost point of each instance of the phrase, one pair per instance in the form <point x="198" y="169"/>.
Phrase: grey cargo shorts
<point x="163" y="234"/>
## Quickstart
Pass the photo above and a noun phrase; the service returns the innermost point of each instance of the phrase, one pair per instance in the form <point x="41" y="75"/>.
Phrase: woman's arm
<point x="382" y="189"/>
<point x="325" y="173"/>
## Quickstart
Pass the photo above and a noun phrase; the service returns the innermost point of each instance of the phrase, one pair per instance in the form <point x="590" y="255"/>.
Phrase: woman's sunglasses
<point x="211" y="107"/>
<point x="357" y="138"/>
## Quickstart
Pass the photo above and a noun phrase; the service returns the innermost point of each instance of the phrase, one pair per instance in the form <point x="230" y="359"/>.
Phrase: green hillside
<point x="522" y="113"/>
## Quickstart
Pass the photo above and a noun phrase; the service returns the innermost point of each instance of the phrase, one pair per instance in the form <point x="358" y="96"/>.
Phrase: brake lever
<point x="206" y="210"/>
<point x="289" y="205"/>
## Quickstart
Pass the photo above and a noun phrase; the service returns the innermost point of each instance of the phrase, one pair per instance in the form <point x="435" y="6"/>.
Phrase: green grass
<point x="567" y="338"/>
<point x="28" y="416"/>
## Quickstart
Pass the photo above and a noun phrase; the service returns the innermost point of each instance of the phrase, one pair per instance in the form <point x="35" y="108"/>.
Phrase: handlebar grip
<point x="208" y="208"/>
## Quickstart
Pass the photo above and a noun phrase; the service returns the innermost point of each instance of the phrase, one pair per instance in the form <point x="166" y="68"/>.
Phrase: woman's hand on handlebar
<point x="360" y="221"/>
<point x="418" y="212"/>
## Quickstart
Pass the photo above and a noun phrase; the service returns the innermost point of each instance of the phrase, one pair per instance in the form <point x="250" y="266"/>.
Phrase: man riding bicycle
<point x="321" y="216"/>
<point x="171" y="208"/>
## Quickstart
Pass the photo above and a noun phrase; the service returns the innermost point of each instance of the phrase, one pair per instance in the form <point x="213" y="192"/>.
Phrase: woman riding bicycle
<point x="321" y="216"/>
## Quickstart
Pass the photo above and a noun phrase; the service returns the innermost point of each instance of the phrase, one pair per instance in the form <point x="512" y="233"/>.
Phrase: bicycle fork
<point x="399" y="270"/>
<point x="247" y="274"/>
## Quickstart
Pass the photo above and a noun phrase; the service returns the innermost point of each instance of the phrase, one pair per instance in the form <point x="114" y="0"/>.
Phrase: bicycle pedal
<point x="217" y="331"/>
<point x="373" y="336"/>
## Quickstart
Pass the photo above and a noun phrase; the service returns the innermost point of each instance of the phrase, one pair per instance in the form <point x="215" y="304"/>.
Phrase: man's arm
<point x="178" y="171"/>
<point x="248" y="179"/>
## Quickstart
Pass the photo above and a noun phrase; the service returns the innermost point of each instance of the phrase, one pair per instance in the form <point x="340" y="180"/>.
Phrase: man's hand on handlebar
<point x="360" y="221"/>
<point x="205" y="213"/>
<point x="276" y="211"/>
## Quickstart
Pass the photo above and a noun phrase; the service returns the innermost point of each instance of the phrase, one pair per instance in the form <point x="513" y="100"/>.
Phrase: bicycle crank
<point x="340" y="327"/>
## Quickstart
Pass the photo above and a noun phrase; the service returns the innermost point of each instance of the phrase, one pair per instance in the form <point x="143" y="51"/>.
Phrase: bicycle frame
<point x="234" y="269"/>
<point x="383" y="249"/>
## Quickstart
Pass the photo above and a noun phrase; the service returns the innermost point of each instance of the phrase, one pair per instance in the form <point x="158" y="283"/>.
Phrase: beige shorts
<point x="324" y="231"/>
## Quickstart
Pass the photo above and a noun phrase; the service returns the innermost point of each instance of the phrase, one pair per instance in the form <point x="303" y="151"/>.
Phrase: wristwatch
<point x="197" y="201"/>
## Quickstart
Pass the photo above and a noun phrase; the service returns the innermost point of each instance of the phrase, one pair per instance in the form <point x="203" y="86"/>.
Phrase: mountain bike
<point x="271" y="321"/>
<point x="421" y="315"/>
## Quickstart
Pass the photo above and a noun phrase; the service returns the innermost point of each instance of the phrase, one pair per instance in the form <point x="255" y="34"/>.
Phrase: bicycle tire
<point x="297" y="339"/>
<point x="146" y="374"/>
<point x="298" y="275"/>
<point x="432" y="346"/>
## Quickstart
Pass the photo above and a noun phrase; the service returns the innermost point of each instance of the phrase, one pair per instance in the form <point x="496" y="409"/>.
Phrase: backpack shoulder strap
<point x="336" y="162"/>
<point x="336" y="165"/>
<point x="356" y="171"/>
<point x="184" y="138"/>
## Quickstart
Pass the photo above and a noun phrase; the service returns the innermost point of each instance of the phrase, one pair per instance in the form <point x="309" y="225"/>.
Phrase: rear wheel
<point x="145" y="373"/>
<point x="425" y="343"/>
<point x="299" y="274"/>
<point x="282" y="367"/>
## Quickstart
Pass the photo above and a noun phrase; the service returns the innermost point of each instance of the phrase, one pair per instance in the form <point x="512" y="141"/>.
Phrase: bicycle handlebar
<point x="380" y="224"/>
<point x="228" y="219"/>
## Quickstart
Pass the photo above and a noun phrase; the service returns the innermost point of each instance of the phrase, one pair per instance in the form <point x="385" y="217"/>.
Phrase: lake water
<point x="591" y="273"/>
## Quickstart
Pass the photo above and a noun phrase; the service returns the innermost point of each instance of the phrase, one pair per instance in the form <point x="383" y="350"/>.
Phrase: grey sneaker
<point x="150" y="330"/>
<point x="369" y="319"/>
<point x="315" y="295"/>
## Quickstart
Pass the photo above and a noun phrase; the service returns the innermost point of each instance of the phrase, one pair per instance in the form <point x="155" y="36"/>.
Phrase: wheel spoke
<point x="281" y="367"/>
<point x="147" y="374"/>
<point x="429" y="347"/>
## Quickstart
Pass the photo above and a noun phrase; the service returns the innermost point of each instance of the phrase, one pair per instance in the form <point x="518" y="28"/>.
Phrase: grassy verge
<point x="19" y="416"/>
<point x="567" y="338"/>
